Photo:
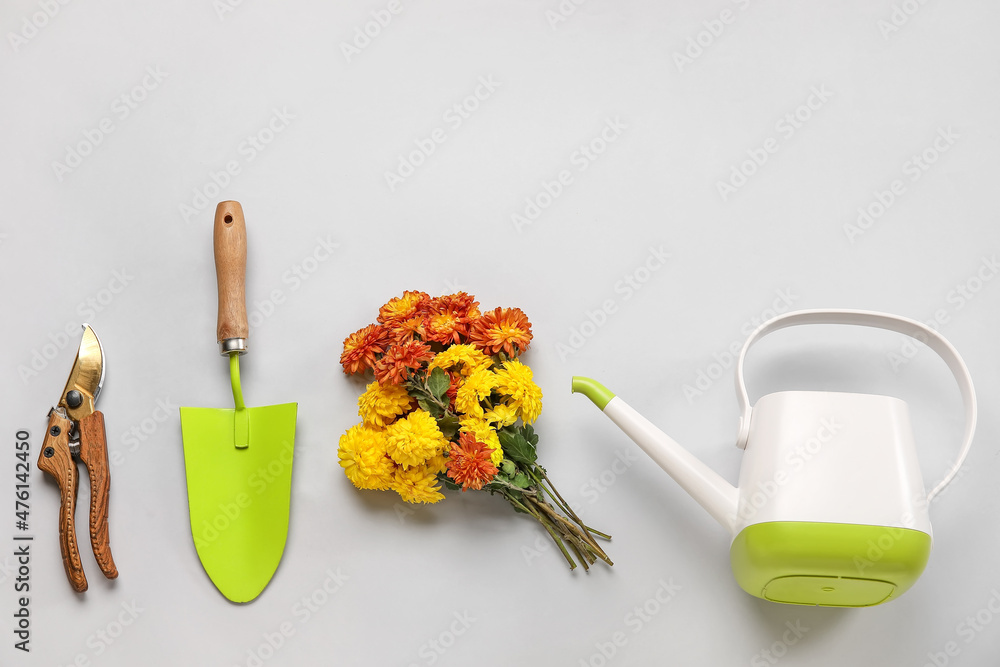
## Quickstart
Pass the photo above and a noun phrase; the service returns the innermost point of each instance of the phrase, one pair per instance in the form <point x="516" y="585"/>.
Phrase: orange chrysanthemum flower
<point x="456" y="381"/>
<point x="404" y="307"/>
<point x="403" y="331"/>
<point x="445" y="328"/>
<point x="469" y="463"/>
<point x="399" y="360"/>
<point x="449" y="317"/>
<point x="361" y="347"/>
<point x="462" y="304"/>
<point x="506" y="329"/>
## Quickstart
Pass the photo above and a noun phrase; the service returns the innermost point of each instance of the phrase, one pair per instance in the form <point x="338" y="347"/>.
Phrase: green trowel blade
<point x="239" y="493"/>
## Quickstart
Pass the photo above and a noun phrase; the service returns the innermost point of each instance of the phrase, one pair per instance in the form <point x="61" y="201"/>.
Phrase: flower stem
<point x="597" y="532"/>
<point x="540" y="476"/>
<point x="542" y="520"/>
<point x="575" y="533"/>
<point x="563" y="531"/>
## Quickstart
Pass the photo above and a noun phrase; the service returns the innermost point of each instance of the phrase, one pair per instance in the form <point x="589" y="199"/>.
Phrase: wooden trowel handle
<point x="230" y="240"/>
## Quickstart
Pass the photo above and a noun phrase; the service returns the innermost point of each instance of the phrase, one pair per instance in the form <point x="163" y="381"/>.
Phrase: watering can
<point x="830" y="509"/>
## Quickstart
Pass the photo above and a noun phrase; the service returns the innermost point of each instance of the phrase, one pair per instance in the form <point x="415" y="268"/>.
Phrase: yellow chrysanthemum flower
<point x="363" y="456"/>
<point x="514" y="380"/>
<point x="485" y="434"/>
<point x="381" y="404"/>
<point x="466" y="358"/>
<point x="416" y="485"/>
<point x="501" y="415"/>
<point x="474" y="389"/>
<point x="437" y="463"/>
<point x="414" y="439"/>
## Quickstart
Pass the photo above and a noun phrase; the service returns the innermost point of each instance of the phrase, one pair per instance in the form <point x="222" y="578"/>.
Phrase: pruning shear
<point x="76" y="431"/>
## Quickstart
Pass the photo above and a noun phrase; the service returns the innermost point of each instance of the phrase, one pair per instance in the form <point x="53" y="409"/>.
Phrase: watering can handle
<point x="865" y="318"/>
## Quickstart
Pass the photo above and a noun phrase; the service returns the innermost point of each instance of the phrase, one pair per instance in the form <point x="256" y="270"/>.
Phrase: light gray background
<point x="894" y="75"/>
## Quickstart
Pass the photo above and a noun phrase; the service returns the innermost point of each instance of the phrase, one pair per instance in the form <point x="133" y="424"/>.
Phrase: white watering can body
<point x="830" y="508"/>
<point x="831" y="457"/>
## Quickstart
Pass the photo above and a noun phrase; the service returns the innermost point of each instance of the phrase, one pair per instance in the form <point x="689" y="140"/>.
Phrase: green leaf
<point x="508" y="468"/>
<point x="517" y="448"/>
<point x="448" y="483"/>
<point x="521" y="480"/>
<point x="529" y="434"/>
<point x="438" y="383"/>
<point x="435" y="410"/>
<point x="448" y="425"/>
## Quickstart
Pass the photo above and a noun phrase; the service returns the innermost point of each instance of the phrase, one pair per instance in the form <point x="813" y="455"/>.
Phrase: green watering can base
<point x="239" y="496"/>
<point x="828" y="564"/>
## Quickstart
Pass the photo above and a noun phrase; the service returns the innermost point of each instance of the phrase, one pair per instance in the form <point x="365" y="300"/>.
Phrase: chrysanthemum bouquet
<point x="452" y="405"/>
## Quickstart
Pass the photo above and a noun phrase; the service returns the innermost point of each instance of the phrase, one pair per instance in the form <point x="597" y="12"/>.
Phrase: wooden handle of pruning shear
<point x="56" y="460"/>
<point x="230" y="239"/>
<point x="94" y="454"/>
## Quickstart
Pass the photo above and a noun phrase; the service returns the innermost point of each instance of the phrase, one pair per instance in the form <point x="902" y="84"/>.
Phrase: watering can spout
<point x="715" y="494"/>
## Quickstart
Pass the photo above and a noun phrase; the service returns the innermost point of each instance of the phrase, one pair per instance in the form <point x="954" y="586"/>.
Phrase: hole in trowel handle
<point x="228" y="219"/>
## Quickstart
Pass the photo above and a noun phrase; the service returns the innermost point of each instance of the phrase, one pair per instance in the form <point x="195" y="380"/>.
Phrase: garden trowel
<point x="238" y="461"/>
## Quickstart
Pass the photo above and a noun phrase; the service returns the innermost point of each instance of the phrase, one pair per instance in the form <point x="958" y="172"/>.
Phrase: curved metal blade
<point x="86" y="377"/>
